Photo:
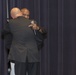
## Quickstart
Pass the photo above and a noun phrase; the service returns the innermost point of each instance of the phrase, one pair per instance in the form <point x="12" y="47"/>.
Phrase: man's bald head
<point x="15" y="12"/>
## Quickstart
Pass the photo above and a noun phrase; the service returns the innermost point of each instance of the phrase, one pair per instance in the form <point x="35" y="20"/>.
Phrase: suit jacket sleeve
<point x="5" y="31"/>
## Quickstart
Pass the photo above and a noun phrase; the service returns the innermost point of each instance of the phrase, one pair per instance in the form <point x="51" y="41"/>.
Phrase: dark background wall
<point x="58" y="57"/>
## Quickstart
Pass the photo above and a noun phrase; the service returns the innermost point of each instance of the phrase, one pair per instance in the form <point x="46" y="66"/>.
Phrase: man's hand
<point x="34" y="26"/>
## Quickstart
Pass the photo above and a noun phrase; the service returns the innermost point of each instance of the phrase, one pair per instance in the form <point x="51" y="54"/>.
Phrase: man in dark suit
<point x="40" y="34"/>
<point x="24" y="47"/>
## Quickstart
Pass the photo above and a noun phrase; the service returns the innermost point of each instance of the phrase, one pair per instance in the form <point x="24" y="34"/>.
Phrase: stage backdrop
<point x="58" y="57"/>
<point x="3" y="56"/>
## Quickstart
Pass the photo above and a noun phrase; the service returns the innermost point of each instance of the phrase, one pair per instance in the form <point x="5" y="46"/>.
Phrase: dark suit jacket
<point x="23" y="42"/>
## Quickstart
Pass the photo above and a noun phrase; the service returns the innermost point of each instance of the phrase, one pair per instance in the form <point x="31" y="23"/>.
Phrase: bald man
<point x="15" y="12"/>
<point x="24" y="47"/>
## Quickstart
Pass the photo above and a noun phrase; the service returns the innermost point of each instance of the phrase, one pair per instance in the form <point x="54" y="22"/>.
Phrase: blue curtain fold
<point x="58" y="57"/>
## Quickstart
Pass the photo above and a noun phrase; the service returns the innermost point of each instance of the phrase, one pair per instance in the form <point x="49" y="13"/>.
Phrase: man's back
<point x="23" y="43"/>
<point x="20" y="30"/>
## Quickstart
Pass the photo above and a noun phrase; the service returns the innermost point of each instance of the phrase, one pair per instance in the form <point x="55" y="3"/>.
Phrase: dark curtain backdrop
<point x="3" y="55"/>
<point x="58" y="57"/>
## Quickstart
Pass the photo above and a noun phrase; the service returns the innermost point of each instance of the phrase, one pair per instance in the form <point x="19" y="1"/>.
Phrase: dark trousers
<point x="32" y="68"/>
